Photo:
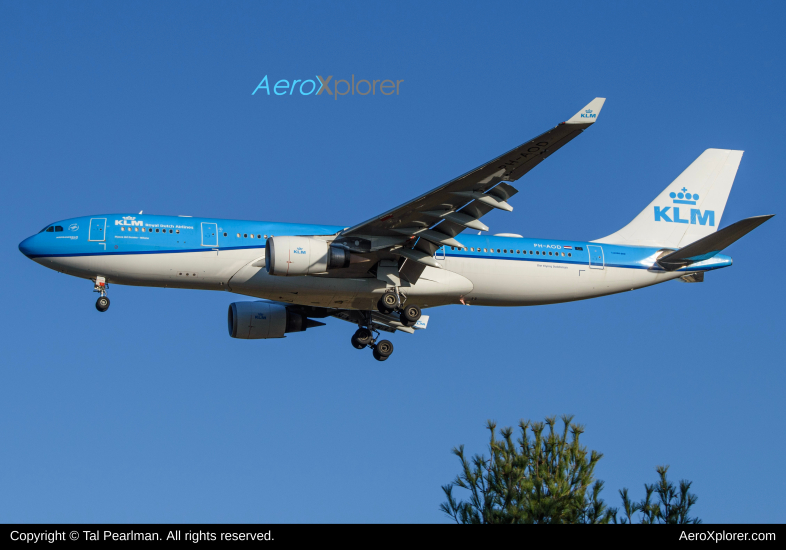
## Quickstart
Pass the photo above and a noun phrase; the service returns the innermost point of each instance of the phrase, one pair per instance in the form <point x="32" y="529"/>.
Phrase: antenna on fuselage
<point x="140" y="212"/>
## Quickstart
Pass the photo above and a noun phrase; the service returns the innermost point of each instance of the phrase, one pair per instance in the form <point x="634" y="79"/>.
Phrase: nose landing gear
<point x="102" y="304"/>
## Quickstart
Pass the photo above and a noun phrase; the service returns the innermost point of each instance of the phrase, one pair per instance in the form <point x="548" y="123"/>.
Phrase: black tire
<point x="102" y="304"/>
<point x="379" y="357"/>
<point x="390" y="300"/>
<point x="361" y="338"/>
<point x="411" y="314"/>
<point x="384" y="310"/>
<point x="383" y="348"/>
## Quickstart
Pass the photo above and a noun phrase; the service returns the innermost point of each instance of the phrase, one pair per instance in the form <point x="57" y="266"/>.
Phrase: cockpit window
<point x="58" y="228"/>
<point x="50" y="228"/>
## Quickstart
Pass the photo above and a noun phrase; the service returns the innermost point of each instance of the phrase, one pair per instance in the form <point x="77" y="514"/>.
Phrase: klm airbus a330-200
<point x="381" y="273"/>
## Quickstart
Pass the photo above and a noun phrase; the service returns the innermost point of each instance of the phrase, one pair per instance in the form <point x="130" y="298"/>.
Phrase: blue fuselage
<point x="222" y="254"/>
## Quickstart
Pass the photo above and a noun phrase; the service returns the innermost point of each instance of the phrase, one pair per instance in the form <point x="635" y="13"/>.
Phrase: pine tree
<point x="673" y="505"/>
<point x="546" y="476"/>
<point x="543" y="477"/>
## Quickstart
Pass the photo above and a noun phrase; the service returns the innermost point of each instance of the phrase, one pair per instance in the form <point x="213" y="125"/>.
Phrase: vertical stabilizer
<point x="689" y="209"/>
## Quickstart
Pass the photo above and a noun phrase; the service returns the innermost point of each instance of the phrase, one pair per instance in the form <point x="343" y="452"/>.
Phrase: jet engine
<point x="256" y="320"/>
<point x="288" y="256"/>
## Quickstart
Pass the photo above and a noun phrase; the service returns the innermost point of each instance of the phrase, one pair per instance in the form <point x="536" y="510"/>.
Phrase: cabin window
<point x="225" y="234"/>
<point x="156" y="230"/>
<point x="563" y="253"/>
<point x="569" y="254"/>
<point x="498" y="251"/>
<point x="252" y="235"/>
<point x="245" y="235"/>
<point x="177" y="231"/>
<point x="549" y="253"/>
<point x="238" y="234"/>
<point x="259" y="236"/>
<point x="266" y="236"/>
<point x="484" y="250"/>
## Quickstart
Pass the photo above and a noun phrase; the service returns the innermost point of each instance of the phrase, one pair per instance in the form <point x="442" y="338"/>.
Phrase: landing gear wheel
<point x="102" y="304"/>
<point x="410" y="315"/>
<point x="361" y="338"/>
<point x="382" y="305"/>
<point x="388" y="303"/>
<point x="382" y="350"/>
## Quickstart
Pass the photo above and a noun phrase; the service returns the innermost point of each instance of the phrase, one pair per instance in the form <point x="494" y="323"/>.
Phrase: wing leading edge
<point x="442" y="213"/>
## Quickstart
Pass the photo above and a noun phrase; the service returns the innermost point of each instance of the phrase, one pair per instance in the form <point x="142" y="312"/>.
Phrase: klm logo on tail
<point x="588" y="114"/>
<point x="683" y="197"/>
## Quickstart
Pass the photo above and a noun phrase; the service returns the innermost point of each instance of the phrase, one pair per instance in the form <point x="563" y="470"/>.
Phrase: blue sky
<point x="151" y="412"/>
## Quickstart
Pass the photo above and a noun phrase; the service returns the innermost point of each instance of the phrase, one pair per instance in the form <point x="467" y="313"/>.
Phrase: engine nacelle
<point x="288" y="256"/>
<point x="256" y="320"/>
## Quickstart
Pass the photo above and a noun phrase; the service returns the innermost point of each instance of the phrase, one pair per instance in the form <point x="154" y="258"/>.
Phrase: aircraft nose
<point x="28" y="247"/>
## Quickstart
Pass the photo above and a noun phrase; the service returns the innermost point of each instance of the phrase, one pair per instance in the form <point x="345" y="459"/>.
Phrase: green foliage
<point x="546" y="476"/>
<point x="673" y="504"/>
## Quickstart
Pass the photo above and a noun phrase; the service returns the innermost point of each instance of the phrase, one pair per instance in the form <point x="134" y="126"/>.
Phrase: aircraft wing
<point x="442" y="213"/>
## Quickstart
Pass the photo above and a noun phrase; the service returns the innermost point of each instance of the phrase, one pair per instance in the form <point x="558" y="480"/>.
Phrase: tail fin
<point x="689" y="209"/>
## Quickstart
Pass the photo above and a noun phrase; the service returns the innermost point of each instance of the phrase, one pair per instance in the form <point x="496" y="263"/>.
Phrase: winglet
<point x="589" y="113"/>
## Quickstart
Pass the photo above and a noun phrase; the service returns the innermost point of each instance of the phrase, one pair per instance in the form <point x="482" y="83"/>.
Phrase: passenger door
<point x="595" y="256"/>
<point x="210" y="234"/>
<point x="97" y="230"/>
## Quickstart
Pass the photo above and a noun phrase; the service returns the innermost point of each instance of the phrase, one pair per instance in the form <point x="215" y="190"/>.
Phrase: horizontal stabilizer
<point x="709" y="246"/>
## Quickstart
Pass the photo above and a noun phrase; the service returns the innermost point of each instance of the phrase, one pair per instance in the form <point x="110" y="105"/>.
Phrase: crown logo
<point x="683" y="197"/>
<point x="588" y="111"/>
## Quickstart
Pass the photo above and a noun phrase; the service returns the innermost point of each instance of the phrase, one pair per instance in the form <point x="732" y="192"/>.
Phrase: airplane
<point x="380" y="274"/>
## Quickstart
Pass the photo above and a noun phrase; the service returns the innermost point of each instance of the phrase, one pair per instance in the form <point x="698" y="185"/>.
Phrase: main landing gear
<point x="102" y="304"/>
<point x="391" y="301"/>
<point x="381" y="349"/>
